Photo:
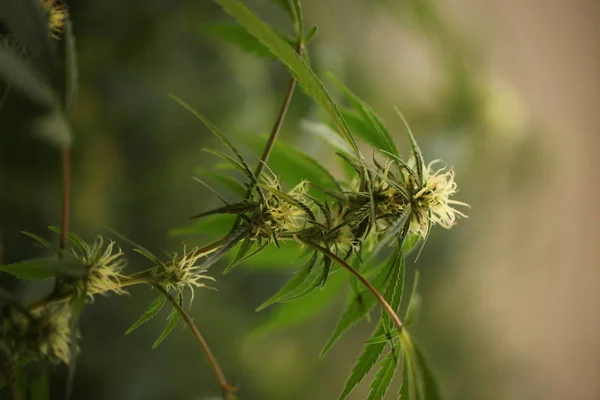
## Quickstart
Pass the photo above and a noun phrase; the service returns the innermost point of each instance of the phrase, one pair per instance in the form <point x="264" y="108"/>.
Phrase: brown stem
<point x="66" y="194"/>
<point x="386" y="306"/>
<point x="275" y="130"/>
<point x="228" y="390"/>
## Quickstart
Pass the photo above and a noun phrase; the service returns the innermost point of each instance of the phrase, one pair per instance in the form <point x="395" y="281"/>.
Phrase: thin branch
<point x="228" y="390"/>
<point x="66" y="195"/>
<point x="386" y="306"/>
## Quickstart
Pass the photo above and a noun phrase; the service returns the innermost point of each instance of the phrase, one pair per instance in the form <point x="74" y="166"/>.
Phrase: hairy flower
<point x="45" y="334"/>
<point x="431" y="201"/>
<point x="278" y="212"/>
<point x="103" y="266"/>
<point x="57" y="16"/>
<point x="183" y="272"/>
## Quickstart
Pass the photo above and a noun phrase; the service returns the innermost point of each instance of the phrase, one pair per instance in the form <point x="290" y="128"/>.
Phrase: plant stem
<point x="66" y="194"/>
<point x="275" y="130"/>
<point x="228" y="390"/>
<point x="386" y="306"/>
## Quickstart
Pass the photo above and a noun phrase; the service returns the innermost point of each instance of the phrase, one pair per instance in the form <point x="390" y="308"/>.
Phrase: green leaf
<point x="42" y="241"/>
<point x="172" y="319"/>
<point x="273" y="257"/>
<point x="213" y="226"/>
<point x="53" y="128"/>
<point x="414" y="304"/>
<point x="295" y="64"/>
<point x="71" y="68"/>
<point x="311" y="34"/>
<point x="224" y="180"/>
<point x="395" y="289"/>
<point x="297" y="312"/>
<point x="241" y="253"/>
<point x="366" y="123"/>
<point x="240" y="37"/>
<point x="43" y="268"/>
<point x="364" y="363"/>
<point x="385" y="374"/>
<point x="363" y="302"/>
<point x="153" y="309"/>
<point x="431" y="388"/>
<point x="27" y="23"/>
<point x="407" y="387"/>
<point x="416" y="150"/>
<point x="293" y="165"/>
<point x="292" y="285"/>
<point x="24" y="77"/>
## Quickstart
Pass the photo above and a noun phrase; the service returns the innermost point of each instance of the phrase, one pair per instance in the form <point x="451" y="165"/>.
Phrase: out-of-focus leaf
<point x="213" y="226"/>
<point x="71" y="69"/>
<point x="25" y="78"/>
<point x="223" y="180"/>
<point x="366" y="123"/>
<point x="293" y="165"/>
<point x="383" y="378"/>
<point x="285" y="6"/>
<point x="42" y="268"/>
<point x="407" y="389"/>
<point x="240" y="37"/>
<point x="296" y="65"/>
<point x="42" y="241"/>
<point x="430" y="386"/>
<point x="27" y="22"/>
<point x="53" y="128"/>
<point x="153" y="309"/>
<point x="272" y="257"/>
<point x="172" y="319"/>
<point x="244" y="248"/>
<point x="414" y="304"/>
<point x="311" y="34"/>
<point x="294" y="313"/>
<point x="364" y="363"/>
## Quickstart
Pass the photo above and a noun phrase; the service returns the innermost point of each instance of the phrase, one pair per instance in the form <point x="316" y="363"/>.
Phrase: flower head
<point x="57" y="16"/>
<point x="103" y="265"/>
<point x="431" y="201"/>
<point x="183" y="272"/>
<point x="45" y="334"/>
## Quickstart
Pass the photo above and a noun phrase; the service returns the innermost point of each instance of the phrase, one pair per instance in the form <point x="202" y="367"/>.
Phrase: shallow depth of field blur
<point x="507" y="93"/>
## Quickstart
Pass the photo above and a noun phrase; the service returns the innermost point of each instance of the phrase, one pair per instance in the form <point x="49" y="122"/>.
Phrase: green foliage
<point x="42" y="268"/>
<point x="288" y="56"/>
<point x="153" y="309"/>
<point x="414" y="304"/>
<point x="172" y="320"/>
<point x="383" y="378"/>
<point x="71" y="68"/>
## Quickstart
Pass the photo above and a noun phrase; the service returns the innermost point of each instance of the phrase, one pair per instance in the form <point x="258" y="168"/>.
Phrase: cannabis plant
<point x="359" y="226"/>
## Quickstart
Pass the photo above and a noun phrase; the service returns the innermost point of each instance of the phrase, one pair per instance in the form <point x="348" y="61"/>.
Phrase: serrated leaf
<point x="407" y="390"/>
<point x="430" y="387"/>
<point x="223" y="180"/>
<point x="364" y="363"/>
<point x="172" y="319"/>
<point x="71" y="68"/>
<point x="414" y="304"/>
<point x="153" y="309"/>
<point x="395" y="289"/>
<point x="383" y="378"/>
<point x="295" y="64"/>
<point x="290" y="314"/>
<point x="362" y="304"/>
<point x="384" y="338"/>
<point x="240" y="37"/>
<point x="366" y="123"/>
<point x="25" y="78"/>
<point x="42" y="268"/>
<point x="292" y="285"/>
<point x="241" y="253"/>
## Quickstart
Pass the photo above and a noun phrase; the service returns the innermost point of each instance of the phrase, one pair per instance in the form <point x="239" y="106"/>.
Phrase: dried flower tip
<point x="432" y="201"/>
<point x="57" y="16"/>
<point x="103" y="266"/>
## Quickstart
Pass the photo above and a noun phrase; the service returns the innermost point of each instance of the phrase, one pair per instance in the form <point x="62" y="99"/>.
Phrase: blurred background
<point x="506" y="92"/>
